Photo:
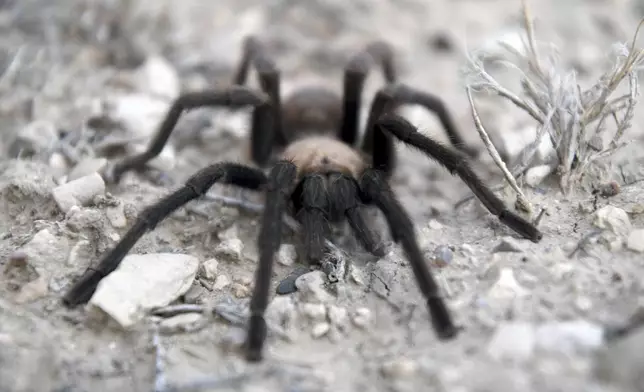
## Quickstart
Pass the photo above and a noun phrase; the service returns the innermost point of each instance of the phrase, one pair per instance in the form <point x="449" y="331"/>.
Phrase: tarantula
<point x="316" y="173"/>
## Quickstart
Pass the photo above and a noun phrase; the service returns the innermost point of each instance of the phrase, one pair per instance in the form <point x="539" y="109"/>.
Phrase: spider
<point x="307" y="165"/>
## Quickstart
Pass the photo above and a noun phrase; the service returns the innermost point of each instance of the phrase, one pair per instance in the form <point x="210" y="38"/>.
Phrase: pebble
<point x="399" y="368"/>
<point x="208" y="269"/>
<point x="86" y="167"/>
<point x="361" y="317"/>
<point x="79" y="192"/>
<point x="570" y="336"/>
<point x="338" y="316"/>
<point x="139" y="113"/>
<point x="239" y="290"/>
<point x="316" y="312"/>
<point x="443" y="256"/>
<point x="158" y="77"/>
<point x="311" y="286"/>
<point x="508" y="244"/>
<point x="142" y="282"/>
<point x="535" y="175"/>
<point x="58" y="164"/>
<point x="513" y="341"/>
<point x="506" y="286"/>
<point x="287" y="285"/>
<point x="287" y="255"/>
<point x="221" y="282"/>
<point x="635" y="241"/>
<point x="434" y="224"/>
<point x="613" y="219"/>
<point x="116" y="215"/>
<point x="320" y="329"/>
<point x="281" y="311"/>
<point x="230" y="250"/>
<point x="79" y="253"/>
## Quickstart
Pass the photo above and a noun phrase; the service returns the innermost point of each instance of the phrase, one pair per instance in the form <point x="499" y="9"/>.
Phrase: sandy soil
<point x="538" y="332"/>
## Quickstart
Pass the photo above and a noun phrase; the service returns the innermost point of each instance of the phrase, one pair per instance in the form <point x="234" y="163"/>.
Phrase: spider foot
<point x="441" y="319"/>
<point x="110" y="174"/>
<point x="257" y="332"/>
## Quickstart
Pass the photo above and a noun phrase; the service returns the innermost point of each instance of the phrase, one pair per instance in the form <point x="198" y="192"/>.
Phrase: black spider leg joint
<point x="344" y="198"/>
<point x="197" y="185"/>
<point x="255" y="56"/>
<point x="376" y="190"/>
<point x="355" y="74"/>
<point x="279" y="188"/>
<point x="262" y="123"/>
<point x="393" y="96"/>
<point x="457" y="164"/>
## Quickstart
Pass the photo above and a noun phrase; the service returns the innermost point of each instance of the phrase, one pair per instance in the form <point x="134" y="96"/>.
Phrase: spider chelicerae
<point x="316" y="173"/>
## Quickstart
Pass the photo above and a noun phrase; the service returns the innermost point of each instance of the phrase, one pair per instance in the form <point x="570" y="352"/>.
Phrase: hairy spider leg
<point x="396" y="95"/>
<point x="255" y="54"/>
<point x="355" y="74"/>
<point x="196" y="186"/>
<point x="262" y="124"/>
<point x="457" y="164"/>
<point x="278" y="190"/>
<point x="376" y="190"/>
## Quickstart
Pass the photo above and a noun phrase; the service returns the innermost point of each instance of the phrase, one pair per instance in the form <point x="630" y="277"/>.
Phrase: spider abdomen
<point x="323" y="154"/>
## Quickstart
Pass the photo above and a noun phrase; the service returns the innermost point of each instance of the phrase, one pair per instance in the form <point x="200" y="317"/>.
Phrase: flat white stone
<point x="143" y="282"/>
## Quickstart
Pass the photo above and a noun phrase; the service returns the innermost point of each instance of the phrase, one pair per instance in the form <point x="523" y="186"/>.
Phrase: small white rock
<point x="506" y="286"/>
<point x="316" y="312"/>
<point x="338" y="316"/>
<point x="240" y="291"/>
<point x="311" y="287"/>
<point x="139" y="113"/>
<point x="635" y="240"/>
<point x="86" y="167"/>
<point x="287" y="255"/>
<point x="399" y="368"/>
<point x="570" y="336"/>
<point x="116" y="215"/>
<point x="535" y="175"/>
<point x="513" y="341"/>
<point x="77" y="252"/>
<point x="142" y="282"/>
<point x="614" y="219"/>
<point x="221" y="282"/>
<point x="361" y="318"/>
<point x="58" y="164"/>
<point x="320" y="329"/>
<point x="158" y="77"/>
<point x="209" y="269"/>
<point x="230" y="249"/>
<point x="79" y="192"/>
<point x="163" y="162"/>
<point x="281" y="311"/>
<point x="434" y="224"/>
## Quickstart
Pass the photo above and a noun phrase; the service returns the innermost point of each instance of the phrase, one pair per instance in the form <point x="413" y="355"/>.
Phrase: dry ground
<point x="60" y="59"/>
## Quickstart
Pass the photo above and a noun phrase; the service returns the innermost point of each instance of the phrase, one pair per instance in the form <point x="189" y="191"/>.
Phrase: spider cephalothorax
<point x="316" y="172"/>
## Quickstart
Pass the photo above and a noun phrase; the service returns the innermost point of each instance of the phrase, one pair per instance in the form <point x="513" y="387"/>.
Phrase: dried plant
<point x="574" y="119"/>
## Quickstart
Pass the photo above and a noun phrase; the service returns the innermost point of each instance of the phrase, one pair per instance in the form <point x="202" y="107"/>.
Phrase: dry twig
<point x="573" y="118"/>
